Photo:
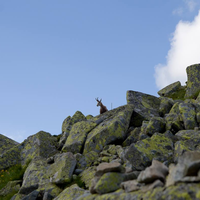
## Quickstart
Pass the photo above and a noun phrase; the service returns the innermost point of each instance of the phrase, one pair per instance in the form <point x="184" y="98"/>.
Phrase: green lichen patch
<point x="193" y="83"/>
<point x="157" y="147"/>
<point x="109" y="182"/>
<point x="6" y="143"/>
<point x="188" y="114"/>
<point x="109" y="131"/>
<point x="41" y="144"/>
<point x="77" y="136"/>
<point x="70" y="193"/>
<point x="11" y="157"/>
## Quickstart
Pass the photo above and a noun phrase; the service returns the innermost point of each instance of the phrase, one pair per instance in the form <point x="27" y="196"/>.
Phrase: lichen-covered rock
<point x="35" y="175"/>
<point x="189" y="115"/>
<point x="145" y="106"/>
<point x="67" y="125"/>
<point x="11" y="157"/>
<point x="170" y="90"/>
<point x="41" y="144"/>
<point x="109" y="131"/>
<point x="6" y="143"/>
<point x="109" y="182"/>
<point x="180" y="148"/>
<point x="70" y="193"/>
<point x="69" y="121"/>
<point x="38" y="173"/>
<point x="33" y="196"/>
<point x="165" y="106"/>
<point x="18" y="196"/>
<point x="11" y="187"/>
<point x="189" y="140"/>
<point x="132" y="138"/>
<point x="89" y="117"/>
<point x="61" y="170"/>
<point x="84" y="161"/>
<point x="51" y="189"/>
<point x="156" y="124"/>
<point x="173" y="122"/>
<point x="193" y="83"/>
<point x="141" y="154"/>
<point x="77" y="136"/>
<point x="87" y="175"/>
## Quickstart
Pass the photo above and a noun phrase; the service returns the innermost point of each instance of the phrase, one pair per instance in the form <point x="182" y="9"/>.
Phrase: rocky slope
<point x="147" y="149"/>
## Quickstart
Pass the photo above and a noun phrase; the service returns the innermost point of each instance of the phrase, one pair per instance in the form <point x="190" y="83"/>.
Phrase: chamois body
<point x="103" y="108"/>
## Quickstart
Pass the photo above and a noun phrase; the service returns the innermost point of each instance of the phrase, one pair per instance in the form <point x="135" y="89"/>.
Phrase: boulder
<point x="188" y="114"/>
<point x="111" y="130"/>
<point x="170" y="90"/>
<point x="145" y="106"/>
<point x="156" y="124"/>
<point x="84" y="161"/>
<point x="151" y="186"/>
<point x="33" y="196"/>
<point x="109" y="182"/>
<point x="193" y="82"/>
<point x="70" y="193"/>
<point x="6" y="143"/>
<point x="109" y="167"/>
<point x="11" y="187"/>
<point x="132" y="138"/>
<point x="173" y="122"/>
<point x="87" y="175"/>
<point x="165" y="106"/>
<point x="61" y="171"/>
<point x="11" y="157"/>
<point x="35" y="175"/>
<point x="156" y="171"/>
<point x="41" y="144"/>
<point x="130" y="186"/>
<point x="188" y="165"/>
<point x="77" y="136"/>
<point x="141" y="154"/>
<point x="67" y="125"/>
<point x="69" y="121"/>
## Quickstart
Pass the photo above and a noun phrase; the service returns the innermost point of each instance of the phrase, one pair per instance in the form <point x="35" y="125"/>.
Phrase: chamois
<point x="103" y="108"/>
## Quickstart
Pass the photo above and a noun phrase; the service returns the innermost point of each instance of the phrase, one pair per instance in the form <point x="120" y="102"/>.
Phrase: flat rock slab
<point x="109" y="167"/>
<point x="170" y="89"/>
<point x="157" y="171"/>
<point x="145" y="105"/>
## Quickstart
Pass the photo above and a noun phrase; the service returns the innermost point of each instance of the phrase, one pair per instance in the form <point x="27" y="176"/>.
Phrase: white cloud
<point x="184" y="51"/>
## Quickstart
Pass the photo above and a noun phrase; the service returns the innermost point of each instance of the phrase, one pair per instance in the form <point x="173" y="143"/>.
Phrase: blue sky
<point x="56" y="57"/>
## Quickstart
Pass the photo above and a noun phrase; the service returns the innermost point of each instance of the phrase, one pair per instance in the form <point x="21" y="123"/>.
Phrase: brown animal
<point x="103" y="108"/>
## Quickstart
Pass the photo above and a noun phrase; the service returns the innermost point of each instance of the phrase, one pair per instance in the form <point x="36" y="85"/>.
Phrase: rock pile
<point x="147" y="149"/>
